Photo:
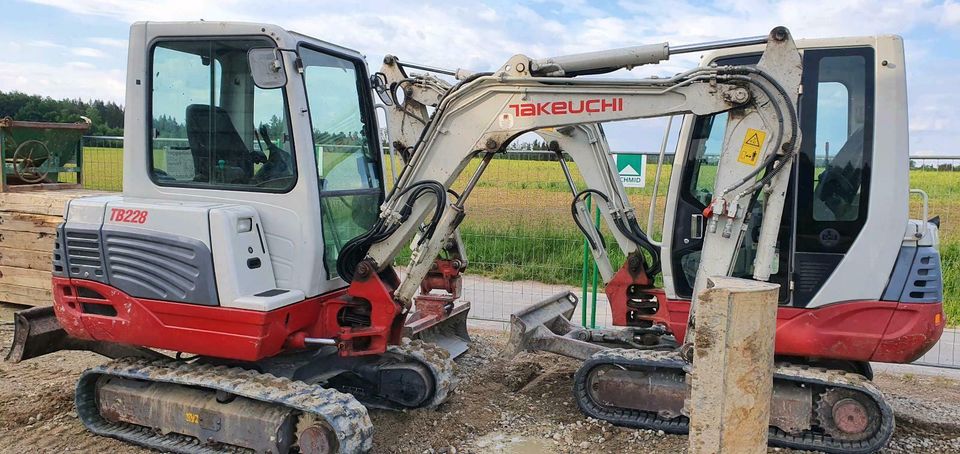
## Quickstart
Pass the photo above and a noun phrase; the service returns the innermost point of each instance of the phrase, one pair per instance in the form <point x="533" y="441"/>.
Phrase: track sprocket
<point x="847" y="415"/>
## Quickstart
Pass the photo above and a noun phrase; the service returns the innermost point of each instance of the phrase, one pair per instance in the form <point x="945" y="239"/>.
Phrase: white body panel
<point x="176" y="218"/>
<point x="242" y="261"/>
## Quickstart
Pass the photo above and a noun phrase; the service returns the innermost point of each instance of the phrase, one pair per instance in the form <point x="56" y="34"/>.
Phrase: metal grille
<point x="84" y="257"/>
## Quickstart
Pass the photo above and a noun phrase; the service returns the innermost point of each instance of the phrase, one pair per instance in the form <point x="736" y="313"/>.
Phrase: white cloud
<point x="43" y="44"/>
<point x="81" y="65"/>
<point x="68" y="80"/>
<point x="482" y="35"/>
<point x="951" y="14"/>
<point x="137" y="10"/>
<point x="109" y="42"/>
<point x="88" y="52"/>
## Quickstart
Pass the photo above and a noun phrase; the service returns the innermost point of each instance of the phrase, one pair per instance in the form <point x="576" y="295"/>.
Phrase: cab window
<point x="348" y="167"/>
<point x="210" y="126"/>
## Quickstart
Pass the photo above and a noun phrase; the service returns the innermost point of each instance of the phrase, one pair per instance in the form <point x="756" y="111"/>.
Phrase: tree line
<point x="106" y="117"/>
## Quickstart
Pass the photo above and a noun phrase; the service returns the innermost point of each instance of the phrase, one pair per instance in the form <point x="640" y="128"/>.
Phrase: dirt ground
<point x="506" y="406"/>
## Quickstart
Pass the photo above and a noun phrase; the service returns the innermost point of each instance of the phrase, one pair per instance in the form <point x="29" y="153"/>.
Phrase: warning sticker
<point x="752" y="144"/>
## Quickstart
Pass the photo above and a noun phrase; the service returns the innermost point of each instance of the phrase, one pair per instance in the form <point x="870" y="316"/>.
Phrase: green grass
<point x="519" y="227"/>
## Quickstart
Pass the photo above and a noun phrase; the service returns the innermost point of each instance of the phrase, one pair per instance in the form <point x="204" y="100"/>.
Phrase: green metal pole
<point x="596" y="273"/>
<point x="586" y="265"/>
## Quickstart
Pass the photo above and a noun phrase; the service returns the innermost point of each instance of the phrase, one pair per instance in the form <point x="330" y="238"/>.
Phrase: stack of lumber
<point x="28" y="228"/>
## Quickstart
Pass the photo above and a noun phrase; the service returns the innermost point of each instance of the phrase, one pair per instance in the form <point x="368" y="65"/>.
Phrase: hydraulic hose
<point x="629" y="229"/>
<point x="355" y="250"/>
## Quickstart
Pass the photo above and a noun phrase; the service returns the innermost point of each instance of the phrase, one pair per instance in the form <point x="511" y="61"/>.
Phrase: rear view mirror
<point x="379" y="83"/>
<point x="266" y="67"/>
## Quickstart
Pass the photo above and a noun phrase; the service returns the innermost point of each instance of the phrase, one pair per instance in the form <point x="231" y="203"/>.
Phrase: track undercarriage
<point x="308" y="403"/>
<point x="632" y="377"/>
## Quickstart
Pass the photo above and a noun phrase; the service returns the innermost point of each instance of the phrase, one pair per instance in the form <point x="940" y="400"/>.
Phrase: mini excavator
<point x="249" y="306"/>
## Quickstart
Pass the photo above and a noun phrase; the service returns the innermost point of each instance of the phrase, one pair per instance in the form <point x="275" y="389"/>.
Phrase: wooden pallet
<point x="28" y="228"/>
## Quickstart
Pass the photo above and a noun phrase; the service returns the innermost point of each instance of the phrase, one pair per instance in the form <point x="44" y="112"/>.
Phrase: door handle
<point x="696" y="226"/>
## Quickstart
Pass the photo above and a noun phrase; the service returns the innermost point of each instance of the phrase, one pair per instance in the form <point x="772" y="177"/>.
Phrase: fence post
<point x="596" y="272"/>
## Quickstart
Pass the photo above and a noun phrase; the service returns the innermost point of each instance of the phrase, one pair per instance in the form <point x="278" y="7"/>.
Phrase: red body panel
<point x="883" y="331"/>
<point x="857" y="330"/>
<point x="206" y="330"/>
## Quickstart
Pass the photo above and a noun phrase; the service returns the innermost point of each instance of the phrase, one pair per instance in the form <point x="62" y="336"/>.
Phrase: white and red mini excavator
<point x="244" y="280"/>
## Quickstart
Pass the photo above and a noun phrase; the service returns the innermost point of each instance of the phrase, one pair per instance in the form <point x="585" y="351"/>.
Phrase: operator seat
<point x="217" y="147"/>
<point x="836" y="194"/>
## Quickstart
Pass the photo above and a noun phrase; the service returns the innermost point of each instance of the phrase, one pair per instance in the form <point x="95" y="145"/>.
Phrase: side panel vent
<point x="84" y="257"/>
<point x="59" y="254"/>
<point x="925" y="282"/>
<point x="160" y="266"/>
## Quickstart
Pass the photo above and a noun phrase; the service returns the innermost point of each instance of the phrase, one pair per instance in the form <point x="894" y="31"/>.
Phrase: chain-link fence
<point x="946" y="353"/>
<point x="523" y="246"/>
<point x="103" y="163"/>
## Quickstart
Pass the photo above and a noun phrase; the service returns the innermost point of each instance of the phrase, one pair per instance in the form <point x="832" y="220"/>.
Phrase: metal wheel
<point x="27" y="159"/>
<point x="847" y="415"/>
<point x="314" y="436"/>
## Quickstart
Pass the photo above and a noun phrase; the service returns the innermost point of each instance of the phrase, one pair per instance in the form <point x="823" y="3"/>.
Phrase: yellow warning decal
<point x="752" y="145"/>
<point x="191" y="418"/>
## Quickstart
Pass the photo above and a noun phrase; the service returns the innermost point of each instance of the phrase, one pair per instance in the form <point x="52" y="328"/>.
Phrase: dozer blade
<point x="448" y="331"/>
<point x="546" y="326"/>
<point x="37" y="332"/>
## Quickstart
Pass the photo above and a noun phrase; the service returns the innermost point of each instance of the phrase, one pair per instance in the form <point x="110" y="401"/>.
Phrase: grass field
<point x="519" y="226"/>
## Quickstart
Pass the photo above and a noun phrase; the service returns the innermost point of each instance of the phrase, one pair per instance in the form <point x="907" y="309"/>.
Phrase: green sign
<point x="632" y="169"/>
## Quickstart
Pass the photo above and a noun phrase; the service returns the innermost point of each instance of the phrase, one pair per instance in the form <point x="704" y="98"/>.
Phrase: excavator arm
<point x="483" y="112"/>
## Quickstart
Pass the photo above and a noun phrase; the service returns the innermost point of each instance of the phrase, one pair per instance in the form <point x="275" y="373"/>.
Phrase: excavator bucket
<point x="439" y="327"/>
<point x="37" y="332"/>
<point x="546" y="326"/>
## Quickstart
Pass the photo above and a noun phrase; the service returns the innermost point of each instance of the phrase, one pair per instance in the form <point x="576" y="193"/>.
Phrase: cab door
<point x="346" y="146"/>
<point x="827" y="198"/>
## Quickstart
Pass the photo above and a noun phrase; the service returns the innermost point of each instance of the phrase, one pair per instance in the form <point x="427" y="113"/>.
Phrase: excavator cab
<point x="838" y="218"/>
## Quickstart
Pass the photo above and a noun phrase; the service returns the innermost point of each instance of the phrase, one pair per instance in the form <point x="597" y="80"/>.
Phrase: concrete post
<point x="732" y="376"/>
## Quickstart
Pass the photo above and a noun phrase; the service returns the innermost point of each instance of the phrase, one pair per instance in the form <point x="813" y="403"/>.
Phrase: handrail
<point x="926" y="212"/>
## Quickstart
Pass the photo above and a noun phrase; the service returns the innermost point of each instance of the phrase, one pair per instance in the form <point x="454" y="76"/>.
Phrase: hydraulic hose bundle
<point x="356" y="249"/>
<point x="628" y="227"/>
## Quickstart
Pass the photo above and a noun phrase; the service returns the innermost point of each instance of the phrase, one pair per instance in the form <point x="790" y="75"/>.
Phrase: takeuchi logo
<point x="567" y="107"/>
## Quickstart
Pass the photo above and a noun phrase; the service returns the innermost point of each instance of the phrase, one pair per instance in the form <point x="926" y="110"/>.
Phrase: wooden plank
<point x="51" y="203"/>
<point x="43" y="187"/>
<point x="25" y="277"/>
<point x="29" y="296"/>
<point x="31" y="241"/>
<point x="23" y="258"/>
<point x="33" y="223"/>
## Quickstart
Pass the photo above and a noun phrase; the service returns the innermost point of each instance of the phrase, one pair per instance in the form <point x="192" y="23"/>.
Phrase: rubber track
<point x="645" y="359"/>
<point x="347" y="417"/>
<point x="436" y="359"/>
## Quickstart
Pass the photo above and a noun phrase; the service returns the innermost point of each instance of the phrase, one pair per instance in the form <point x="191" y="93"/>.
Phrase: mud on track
<point x="511" y="406"/>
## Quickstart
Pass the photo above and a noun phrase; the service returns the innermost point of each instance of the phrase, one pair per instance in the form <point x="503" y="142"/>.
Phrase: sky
<point x="77" y="48"/>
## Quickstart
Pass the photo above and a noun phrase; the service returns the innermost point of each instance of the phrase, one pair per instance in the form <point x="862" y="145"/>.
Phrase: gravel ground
<point x="521" y="405"/>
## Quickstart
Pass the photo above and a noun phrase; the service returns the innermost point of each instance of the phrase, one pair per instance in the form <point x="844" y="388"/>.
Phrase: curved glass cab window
<point x="211" y="127"/>
<point x="348" y="167"/>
